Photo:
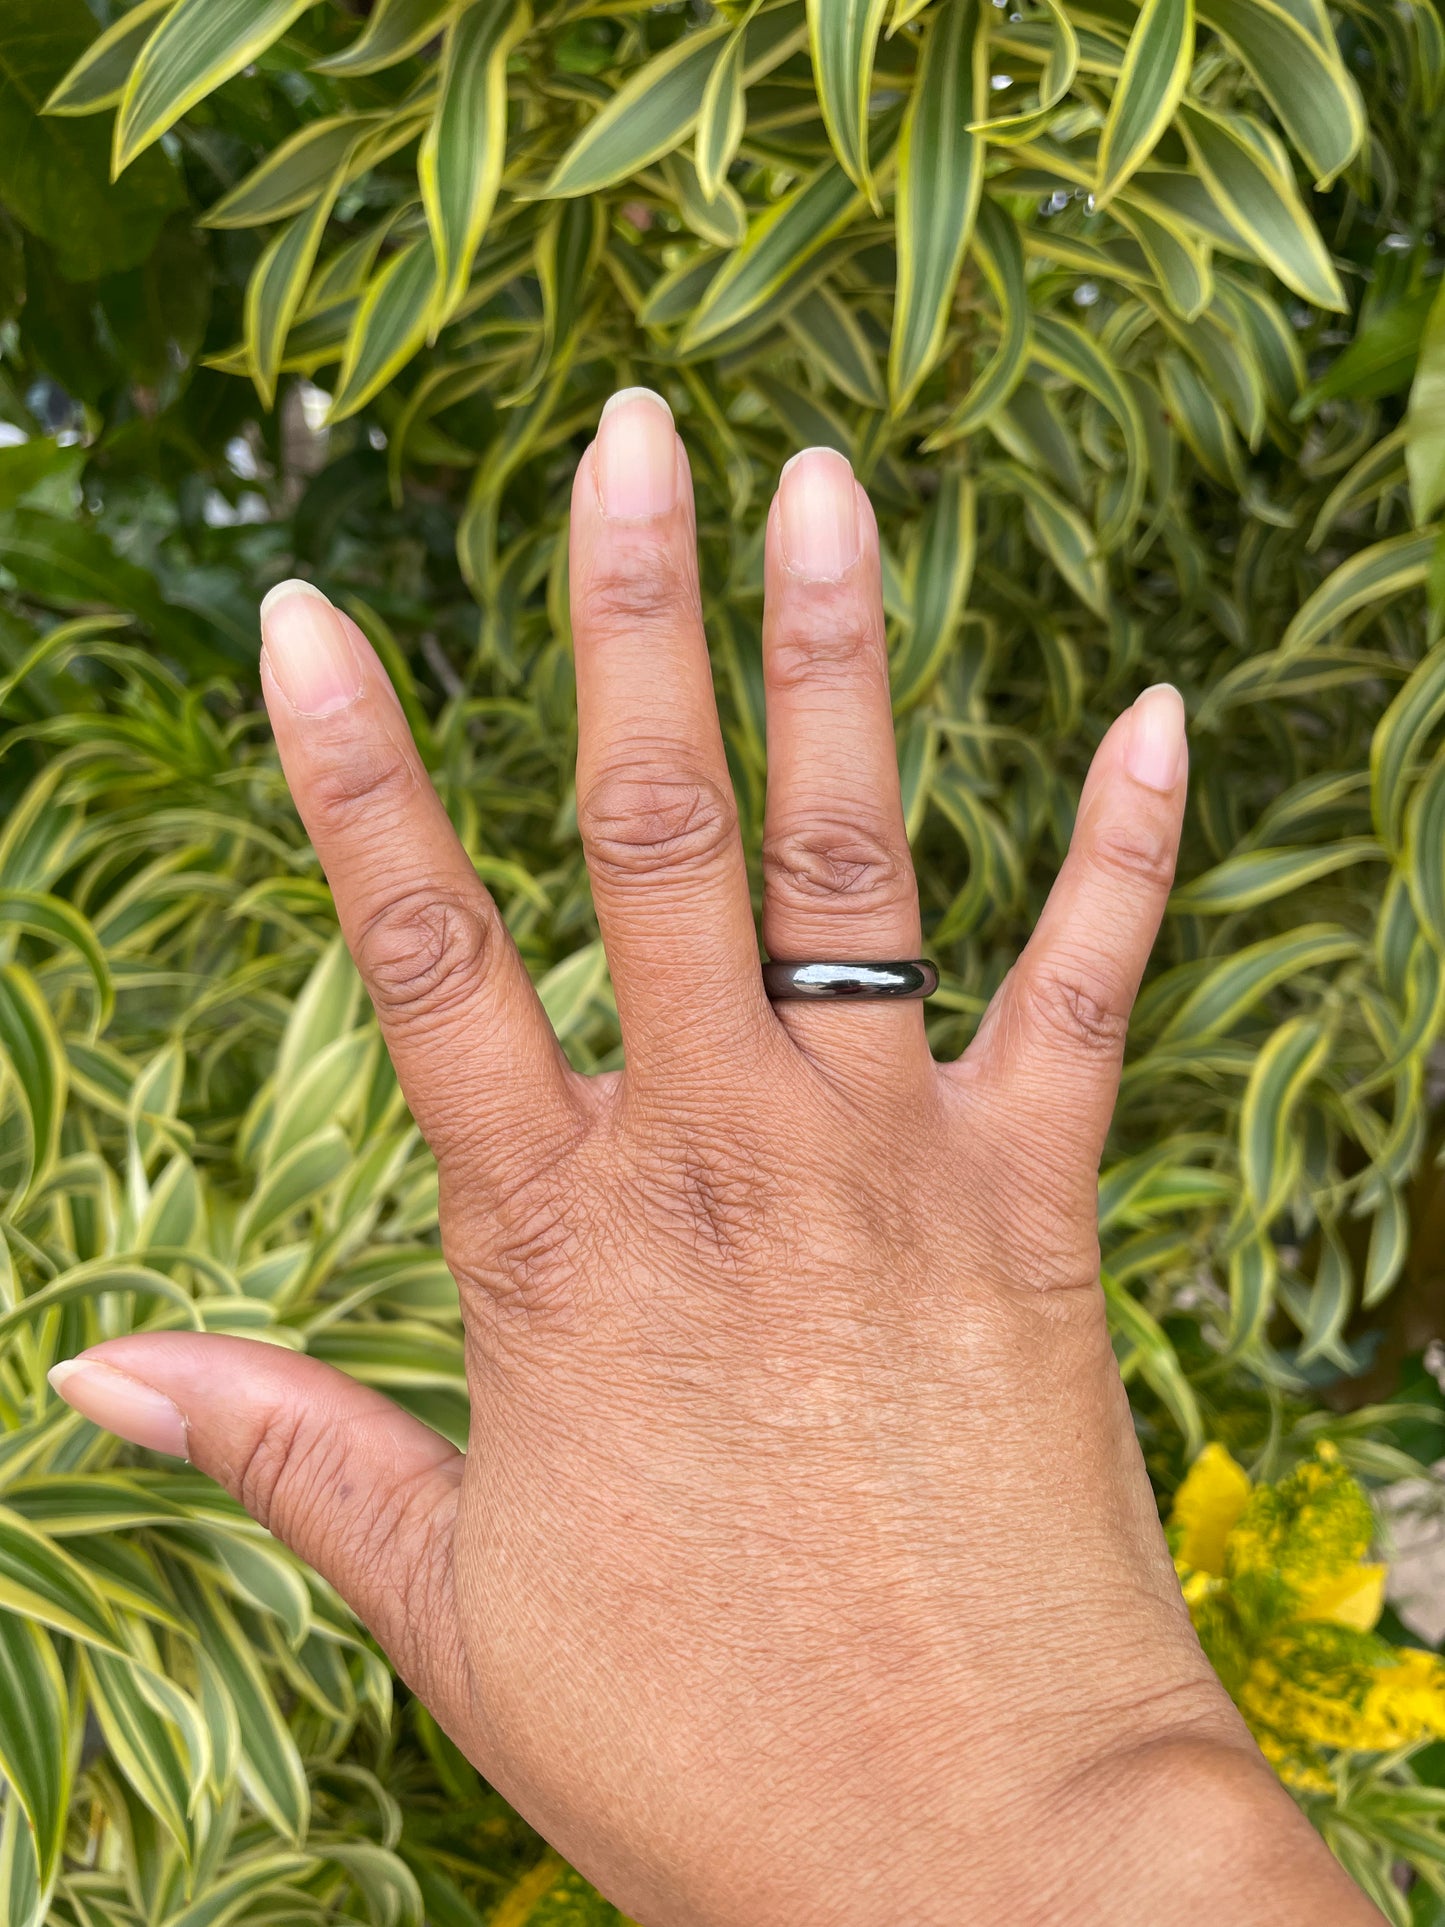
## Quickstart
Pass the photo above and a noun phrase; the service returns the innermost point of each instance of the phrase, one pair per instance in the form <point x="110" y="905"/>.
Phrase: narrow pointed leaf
<point x="1282" y="1072"/>
<point x="272" y="1769"/>
<point x="1157" y="1361"/>
<point x="294" y="1182"/>
<point x="1389" y="1247"/>
<point x="1072" y="352"/>
<point x="824" y="325"/>
<point x="52" y="917"/>
<point x="390" y="326"/>
<point x="148" y="1742"/>
<point x="1425" y="422"/>
<point x="940" y="177"/>
<point x="1205" y="428"/>
<point x="1180" y="259"/>
<point x="1054" y="83"/>
<point x="658" y="107"/>
<point x="996" y="243"/>
<point x="34" y="1058"/>
<point x="843" y="36"/>
<point x="1248" y="173"/>
<point x="1259" y="876"/>
<point x="1399" y="737"/>
<point x="1253" y="1275"/>
<point x="42" y="1581"/>
<point x="1384" y="570"/>
<point x="98" y="78"/>
<point x="1062" y="534"/>
<point x="1156" y="67"/>
<point x="778" y="244"/>
<point x="722" y="115"/>
<point x="462" y="154"/>
<point x="941" y="574"/>
<point x="290" y="177"/>
<point x="394" y="29"/>
<point x="1233" y="987"/>
<point x="198" y="45"/>
<point x="1424" y="852"/>
<point x="277" y="286"/>
<point x="35" y="1734"/>
<point x="1292" y="54"/>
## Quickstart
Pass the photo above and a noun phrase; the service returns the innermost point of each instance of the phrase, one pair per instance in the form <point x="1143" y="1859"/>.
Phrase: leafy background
<point x="1130" y="320"/>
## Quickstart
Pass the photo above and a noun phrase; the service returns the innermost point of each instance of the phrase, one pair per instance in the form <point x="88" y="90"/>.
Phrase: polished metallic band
<point x="912" y="977"/>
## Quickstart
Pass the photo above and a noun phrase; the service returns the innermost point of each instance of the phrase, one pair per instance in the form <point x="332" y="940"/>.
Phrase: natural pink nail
<point x="308" y="650"/>
<point x="636" y="457"/>
<point x="1155" y="754"/>
<point x="818" y="507"/>
<point x="121" y="1404"/>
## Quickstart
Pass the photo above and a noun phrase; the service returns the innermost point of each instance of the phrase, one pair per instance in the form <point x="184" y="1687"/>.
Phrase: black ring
<point x="911" y="977"/>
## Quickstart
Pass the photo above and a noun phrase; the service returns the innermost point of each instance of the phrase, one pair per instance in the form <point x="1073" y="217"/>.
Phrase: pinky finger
<point x="1051" y="1046"/>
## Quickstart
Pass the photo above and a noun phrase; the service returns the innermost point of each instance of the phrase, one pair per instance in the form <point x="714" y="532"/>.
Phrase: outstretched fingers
<point x="1051" y="1045"/>
<point x="471" y="1043"/>
<point x="363" y="1492"/>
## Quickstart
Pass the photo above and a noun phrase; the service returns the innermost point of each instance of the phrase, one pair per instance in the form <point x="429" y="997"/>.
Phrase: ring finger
<point x="838" y="876"/>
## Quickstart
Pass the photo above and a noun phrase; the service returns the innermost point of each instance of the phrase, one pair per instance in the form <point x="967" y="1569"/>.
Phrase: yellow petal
<point x="1214" y="1493"/>
<point x="1197" y="1586"/>
<point x="1354" y="1597"/>
<point x="1406" y="1701"/>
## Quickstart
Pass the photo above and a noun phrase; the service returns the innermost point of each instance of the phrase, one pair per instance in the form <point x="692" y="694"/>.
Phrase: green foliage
<point x="1117" y="312"/>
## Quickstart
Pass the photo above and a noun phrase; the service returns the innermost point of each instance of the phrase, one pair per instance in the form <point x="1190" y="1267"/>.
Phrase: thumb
<point x="359" y="1489"/>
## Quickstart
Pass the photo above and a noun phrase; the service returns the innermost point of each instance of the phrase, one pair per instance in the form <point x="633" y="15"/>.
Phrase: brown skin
<point x="803" y="1567"/>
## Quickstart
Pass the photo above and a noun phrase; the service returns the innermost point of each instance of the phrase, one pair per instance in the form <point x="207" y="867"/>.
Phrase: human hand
<point x="803" y="1567"/>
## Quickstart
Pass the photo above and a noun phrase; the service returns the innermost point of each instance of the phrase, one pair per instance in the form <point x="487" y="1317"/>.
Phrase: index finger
<point x="470" y="1041"/>
<point x="1051" y="1045"/>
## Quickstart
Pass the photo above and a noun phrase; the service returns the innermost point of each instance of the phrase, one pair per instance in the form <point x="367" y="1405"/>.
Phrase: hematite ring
<point x="911" y="977"/>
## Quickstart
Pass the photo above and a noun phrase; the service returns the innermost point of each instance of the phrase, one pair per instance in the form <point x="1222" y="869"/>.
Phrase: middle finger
<point x="654" y="800"/>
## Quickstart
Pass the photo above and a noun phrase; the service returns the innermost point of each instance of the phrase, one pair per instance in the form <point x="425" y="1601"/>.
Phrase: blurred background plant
<point x="1130" y="319"/>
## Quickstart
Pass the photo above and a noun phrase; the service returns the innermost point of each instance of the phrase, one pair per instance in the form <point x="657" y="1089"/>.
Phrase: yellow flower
<point x="1284" y="1601"/>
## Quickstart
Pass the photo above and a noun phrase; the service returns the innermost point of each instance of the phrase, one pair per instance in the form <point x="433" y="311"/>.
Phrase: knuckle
<point x="712" y="1196"/>
<point x="823" y="863"/>
<point x="720" y="1205"/>
<point x="824" y="638"/>
<point x="1135" y="853"/>
<point x="423" y="955"/>
<point x="1077" y="1006"/>
<point x="265" y="1480"/>
<point x="1062" y="1261"/>
<point x="633" y="825"/>
<point x="371" y="778"/>
<point x="538" y="1254"/>
<point x="535" y="1247"/>
<point x="646" y="586"/>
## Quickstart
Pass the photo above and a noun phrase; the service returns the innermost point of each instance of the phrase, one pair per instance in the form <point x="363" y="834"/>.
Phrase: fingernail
<point x="308" y="650"/>
<point x="818" y="505"/>
<point x="636" y="456"/>
<point x="121" y="1404"/>
<point x="1156" y="751"/>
